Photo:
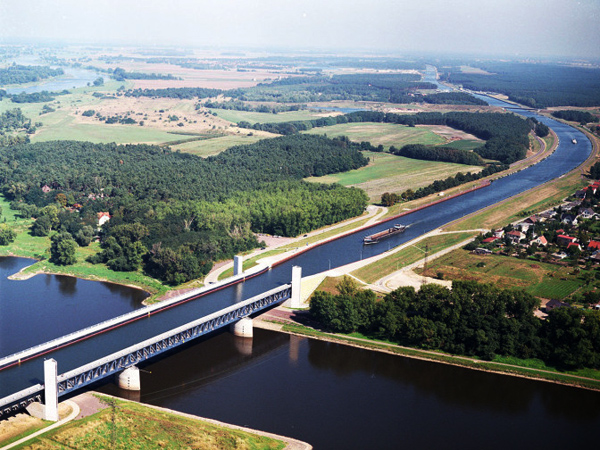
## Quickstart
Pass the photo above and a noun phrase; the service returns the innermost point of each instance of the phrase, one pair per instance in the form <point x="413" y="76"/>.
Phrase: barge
<point x="375" y="238"/>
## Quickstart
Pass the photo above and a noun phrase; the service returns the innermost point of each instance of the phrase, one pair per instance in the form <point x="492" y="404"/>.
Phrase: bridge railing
<point x="53" y="344"/>
<point x="145" y="350"/>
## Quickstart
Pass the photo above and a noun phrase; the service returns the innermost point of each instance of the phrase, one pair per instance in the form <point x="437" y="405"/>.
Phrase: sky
<point x="523" y="28"/>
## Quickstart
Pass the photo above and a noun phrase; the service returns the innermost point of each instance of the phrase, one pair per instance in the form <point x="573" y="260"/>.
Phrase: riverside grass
<point x="126" y="425"/>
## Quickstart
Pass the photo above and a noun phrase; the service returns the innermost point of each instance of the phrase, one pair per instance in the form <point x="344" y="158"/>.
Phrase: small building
<point x="541" y="241"/>
<point x="489" y="240"/>
<point x="586" y="213"/>
<point x="563" y="239"/>
<point x="593" y="245"/>
<point x="515" y="236"/>
<point x="46" y="189"/>
<point x="482" y="251"/>
<point x="574" y="245"/>
<point x="103" y="217"/>
<point x="553" y="303"/>
<point x="499" y="233"/>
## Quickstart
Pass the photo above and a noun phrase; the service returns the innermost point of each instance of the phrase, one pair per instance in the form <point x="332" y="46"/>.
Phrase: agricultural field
<point x="233" y="116"/>
<point x="391" y="173"/>
<point x="214" y="145"/>
<point x="537" y="278"/>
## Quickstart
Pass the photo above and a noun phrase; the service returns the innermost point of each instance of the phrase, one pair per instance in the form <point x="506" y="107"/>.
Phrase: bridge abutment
<point x="129" y="379"/>
<point x="243" y="328"/>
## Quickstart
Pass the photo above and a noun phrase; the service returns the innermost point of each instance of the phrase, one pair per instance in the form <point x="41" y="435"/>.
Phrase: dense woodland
<point x="438" y="153"/>
<point x="535" y="85"/>
<point x="506" y="135"/>
<point x="175" y="213"/>
<point x="470" y="319"/>
<point x="572" y="115"/>
<point x="16" y="74"/>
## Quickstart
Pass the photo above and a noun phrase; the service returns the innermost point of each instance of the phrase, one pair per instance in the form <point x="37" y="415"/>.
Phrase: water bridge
<point x="119" y="362"/>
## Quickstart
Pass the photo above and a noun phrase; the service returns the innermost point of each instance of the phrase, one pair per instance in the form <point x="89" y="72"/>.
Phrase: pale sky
<point x="532" y="28"/>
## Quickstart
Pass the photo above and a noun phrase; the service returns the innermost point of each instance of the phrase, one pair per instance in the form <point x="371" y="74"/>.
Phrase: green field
<point x="256" y="117"/>
<point x="212" y="146"/>
<point x="464" y="144"/>
<point x="537" y="278"/>
<point x="129" y="425"/>
<point x="386" y="134"/>
<point x="390" y="173"/>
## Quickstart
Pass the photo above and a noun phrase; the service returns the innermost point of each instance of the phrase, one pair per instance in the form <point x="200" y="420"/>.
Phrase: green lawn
<point x="390" y="173"/>
<point x="386" y="134"/>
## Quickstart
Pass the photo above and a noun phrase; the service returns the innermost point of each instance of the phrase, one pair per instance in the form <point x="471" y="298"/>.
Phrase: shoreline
<point x="425" y="355"/>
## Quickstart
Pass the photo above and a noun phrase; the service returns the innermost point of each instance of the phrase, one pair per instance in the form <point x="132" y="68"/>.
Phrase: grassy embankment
<point x="132" y="425"/>
<point x="409" y="255"/>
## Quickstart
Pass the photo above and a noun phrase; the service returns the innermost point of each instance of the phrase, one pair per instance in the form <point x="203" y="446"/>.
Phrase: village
<point x="566" y="235"/>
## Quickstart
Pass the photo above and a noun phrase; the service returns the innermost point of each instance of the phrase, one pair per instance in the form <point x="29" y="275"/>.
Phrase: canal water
<point x="339" y="397"/>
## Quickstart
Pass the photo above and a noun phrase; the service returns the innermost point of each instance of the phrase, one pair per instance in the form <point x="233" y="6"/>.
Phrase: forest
<point x="17" y="74"/>
<point x="506" y="135"/>
<point x="174" y="214"/>
<point x="438" y="153"/>
<point x="575" y="116"/>
<point x="534" y="85"/>
<point x="122" y="75"/>
<point x="470" y="319"/>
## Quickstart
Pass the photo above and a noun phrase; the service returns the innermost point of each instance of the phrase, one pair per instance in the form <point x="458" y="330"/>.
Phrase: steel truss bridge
<point x="135" y="354"/>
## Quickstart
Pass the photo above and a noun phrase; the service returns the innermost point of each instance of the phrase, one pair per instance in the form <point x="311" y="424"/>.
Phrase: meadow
<point x="391" y="173"/>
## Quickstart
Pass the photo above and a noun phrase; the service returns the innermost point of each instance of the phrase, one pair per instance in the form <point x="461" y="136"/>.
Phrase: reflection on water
<point x="335" y="396"/>
<point x="48" y="306"/>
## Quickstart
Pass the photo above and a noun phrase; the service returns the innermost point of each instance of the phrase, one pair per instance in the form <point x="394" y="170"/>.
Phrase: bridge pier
<point x="243" y="328"/>
<point x="129" y="379"/>
<point x="238" y="262"/>
<point x="50" y="390"/>
<point x="296" y="301"/>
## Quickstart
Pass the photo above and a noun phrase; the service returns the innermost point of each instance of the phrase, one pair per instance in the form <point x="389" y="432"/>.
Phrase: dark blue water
<point x="338" y="253"/>
<point x="49" y="306"/>
<point x="338" y="397"/>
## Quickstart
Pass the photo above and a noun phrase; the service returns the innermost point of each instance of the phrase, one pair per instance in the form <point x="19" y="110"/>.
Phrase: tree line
<point x="17" y="74"/>
<point x="573" y="115"/>
<point x="470" y="319"/>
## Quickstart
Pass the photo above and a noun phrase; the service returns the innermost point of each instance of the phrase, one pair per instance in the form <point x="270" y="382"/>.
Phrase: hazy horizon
<point x="536" y="28"/>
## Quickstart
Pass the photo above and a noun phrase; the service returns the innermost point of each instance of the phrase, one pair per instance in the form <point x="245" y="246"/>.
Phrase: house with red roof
<point x="103" y="217"/>
<point x="563" y="239"/>
<point x="593" y="245"/>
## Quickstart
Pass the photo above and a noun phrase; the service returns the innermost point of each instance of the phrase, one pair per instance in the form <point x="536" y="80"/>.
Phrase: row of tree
<point x="17" y="74"/>
<point x="574" y="115"/>
<point x="437" y="153"/>
<point x="470" y="319"/>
